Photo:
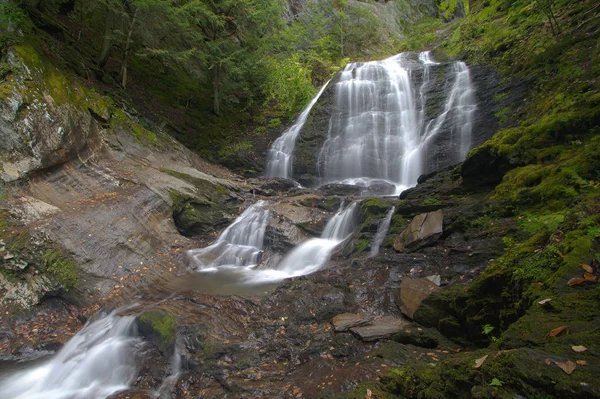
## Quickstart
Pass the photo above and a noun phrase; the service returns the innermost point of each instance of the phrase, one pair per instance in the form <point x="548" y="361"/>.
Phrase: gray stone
<point x="435" y="279"/>
<point x="423" y="230"/>
<point x="412" y="293"/>
<point x="346" y="321"/>
<point x="380" y="328"/>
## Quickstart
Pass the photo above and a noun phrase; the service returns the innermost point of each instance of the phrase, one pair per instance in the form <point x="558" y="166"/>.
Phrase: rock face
<point x="423" y="230"/>
<point x="86" y="176"/>
<point x="412" y="292"/>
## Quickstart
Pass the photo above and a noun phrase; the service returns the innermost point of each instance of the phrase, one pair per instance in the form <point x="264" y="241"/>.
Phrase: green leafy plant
<point x="496" y="382"/>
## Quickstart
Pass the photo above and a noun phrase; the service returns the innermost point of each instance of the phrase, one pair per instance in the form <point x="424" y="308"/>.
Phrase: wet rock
<point x="133" y="394"/>
<point x="340" y="189"/>
<point x="423" y="230"/>
<point x="278" y="185"/>
<point x="429" y="338"/>
<point x="346" y="321"/>
<point x="412" y="293"/>
<point x="378" y="329"/>
<point x="379" y="188"/>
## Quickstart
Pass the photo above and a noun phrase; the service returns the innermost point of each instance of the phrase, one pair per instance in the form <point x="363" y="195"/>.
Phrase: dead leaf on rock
<point x="587" y="268"/>
<point x="579" y="348"/>
<point x="479" y="362"/>
<point x="557" y="331"/>
<point x="576" y="281"/>
<point x="589" y="276"/>
<point x="568" y="366"/>
<point x="581" y="362"/>
<point x="544" y="301"/>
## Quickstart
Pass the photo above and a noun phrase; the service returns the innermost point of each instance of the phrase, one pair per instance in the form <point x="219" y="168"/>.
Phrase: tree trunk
<point x="127" y="48"/>
<point x="217" y="90"/>
<point x="106" y="39"/>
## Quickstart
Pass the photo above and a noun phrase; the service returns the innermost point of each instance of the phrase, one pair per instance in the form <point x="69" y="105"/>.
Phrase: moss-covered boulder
<point x="158" y="326"/>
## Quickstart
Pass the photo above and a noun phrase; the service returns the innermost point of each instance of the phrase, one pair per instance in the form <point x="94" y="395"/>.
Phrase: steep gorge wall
<point x="90" y="188"/>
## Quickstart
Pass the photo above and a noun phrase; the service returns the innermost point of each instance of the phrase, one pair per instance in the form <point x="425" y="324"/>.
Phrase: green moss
<point x="431" y="201"/>
<point x="161" y="325"/>
<point x="374" y="207"/>
<point x="361" y="245"/>
<point x="60" y="265"/>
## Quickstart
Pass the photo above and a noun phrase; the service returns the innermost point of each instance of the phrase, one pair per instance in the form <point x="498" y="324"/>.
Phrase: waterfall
<point x="379" y="130"/>
<point x="309" y="256"/>
<point x="95" y="363"/>
<point x="240" y="245"/>
<point x="279" y="156"/>
<point x="382" y="230"/>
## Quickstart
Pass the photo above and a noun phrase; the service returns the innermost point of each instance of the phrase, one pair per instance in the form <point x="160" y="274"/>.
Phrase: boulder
<point x="339" y="189"/>
<point x="412" y="293"/>
<point x="346" y="321"/>
<point x="423" y="230"/>
<point x="380" y="328"/>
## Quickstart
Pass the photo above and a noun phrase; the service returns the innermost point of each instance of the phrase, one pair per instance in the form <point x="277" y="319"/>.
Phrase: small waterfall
<point x="309" y="256"/>
<point x="382" y="230"/>
<point x="240" y="245"/>
<point x="379" y="131"/>
<point x="279" y="156"/>
<point x="95" y="363"/>
<point x="460" y="106"/>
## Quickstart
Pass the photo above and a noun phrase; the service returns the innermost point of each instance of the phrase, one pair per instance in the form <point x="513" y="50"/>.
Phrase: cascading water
<point x="380" y="133"/>
<point x="239" y="246"/>
<point x="97" y="362"/>
<point x="311" y="255"/>
<point x="382" y="230"/>
<point x="279" y="157"/>
<point x="238" y="260"/>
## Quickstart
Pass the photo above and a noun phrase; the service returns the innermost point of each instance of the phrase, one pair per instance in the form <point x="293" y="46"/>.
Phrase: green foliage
<point x="449" y="7"/>
<point x="487" y="329"/>
<point x="288" y="84"/>
<point x="496" y="382"/>
<point x="11" y="17"/>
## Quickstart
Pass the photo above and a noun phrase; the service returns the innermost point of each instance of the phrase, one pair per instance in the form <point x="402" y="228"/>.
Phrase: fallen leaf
<point x="479" y="362"/>
<point x="576" y="281"/>
<point x="587" y="268"/>
<point x="579" y="348"/>
<point x="568" y="366"/>
<point x="556" y="332"/>
<point x="369" y="394"/>
<point x="544" y="301"/>
<point x="547" y="361"/>
<point x="581" y="362"/>
<point x="589" y="276"/>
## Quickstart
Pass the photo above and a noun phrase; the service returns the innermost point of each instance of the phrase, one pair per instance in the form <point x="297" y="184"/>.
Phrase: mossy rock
<point x="158" y="327"/>
<point x="205" y="212"/>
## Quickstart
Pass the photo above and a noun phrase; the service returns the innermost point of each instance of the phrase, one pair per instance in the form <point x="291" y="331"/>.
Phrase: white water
<point x="382" y="230"/>
<point x="312" y="254"/>
<point x="239" y="261"/>
<point x="279" y="156"/>
<point x="97" y="362"/>
<point x="378" y="132"/>
<point x="240" y="245"/>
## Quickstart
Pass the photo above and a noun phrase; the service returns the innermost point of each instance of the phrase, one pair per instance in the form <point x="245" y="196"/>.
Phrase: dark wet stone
<point x="378" y="329"/>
